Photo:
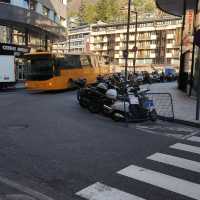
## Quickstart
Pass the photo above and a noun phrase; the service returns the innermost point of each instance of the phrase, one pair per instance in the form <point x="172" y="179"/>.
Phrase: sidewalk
<point x="184" y="106"/>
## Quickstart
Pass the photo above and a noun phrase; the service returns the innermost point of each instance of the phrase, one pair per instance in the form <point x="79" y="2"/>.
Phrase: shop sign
<point x="12" y="49"/>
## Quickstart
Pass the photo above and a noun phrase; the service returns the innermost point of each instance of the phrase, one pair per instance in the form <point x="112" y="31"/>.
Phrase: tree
<point x="87" y="12"/>
<point x="107" y="10"/>
<point x="144" y="5"/>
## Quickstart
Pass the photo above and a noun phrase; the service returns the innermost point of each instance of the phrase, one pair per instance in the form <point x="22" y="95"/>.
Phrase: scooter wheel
<point x="78" y="95"/>
<point x="94" y="108"/>
<point x="153" y="115"/>
<point x="117" y="117"/>
<point x="83" y="104"/>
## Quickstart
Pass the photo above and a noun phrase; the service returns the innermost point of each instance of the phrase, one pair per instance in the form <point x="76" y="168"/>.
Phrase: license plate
<point x="148" y="104"/>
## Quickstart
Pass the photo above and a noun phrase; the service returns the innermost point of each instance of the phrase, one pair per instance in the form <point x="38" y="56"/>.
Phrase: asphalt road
<point x="52" y="148"/>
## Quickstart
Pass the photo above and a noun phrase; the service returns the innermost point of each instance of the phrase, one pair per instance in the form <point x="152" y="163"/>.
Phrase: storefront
<point x="18" y="51"/>
<point x="189" y="60"/>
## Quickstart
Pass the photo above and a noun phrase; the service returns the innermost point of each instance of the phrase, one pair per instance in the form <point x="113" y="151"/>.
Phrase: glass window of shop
<point x="18" y="37"/>
<point x="5" y="34"/>
<point x="36" y="42"/>
<point x="33" y="4"/>
<point x="45" y="11"/>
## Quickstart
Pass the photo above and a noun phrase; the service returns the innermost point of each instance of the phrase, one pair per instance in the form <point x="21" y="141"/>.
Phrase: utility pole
<point x="198" y="88"/>
<point x="126" y="52"/>
<point x="125" y="55"/>
<point x="135" y="45"/>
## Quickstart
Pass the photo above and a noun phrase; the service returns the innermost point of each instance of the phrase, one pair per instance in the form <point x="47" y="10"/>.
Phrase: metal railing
<point x="163" y="104"/>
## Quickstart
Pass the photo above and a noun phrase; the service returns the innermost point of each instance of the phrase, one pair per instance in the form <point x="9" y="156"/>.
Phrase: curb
<point x="180" y="121"/>
<point x="187" y="123"/>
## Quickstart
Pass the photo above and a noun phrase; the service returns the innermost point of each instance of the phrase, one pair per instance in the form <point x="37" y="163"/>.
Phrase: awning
<point x="175" y="7"/>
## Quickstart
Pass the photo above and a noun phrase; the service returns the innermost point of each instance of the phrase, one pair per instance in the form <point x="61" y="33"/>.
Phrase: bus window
<point x="85" y="61"/>
<point x="40" y="68"/>
<point x="69" y="62"/>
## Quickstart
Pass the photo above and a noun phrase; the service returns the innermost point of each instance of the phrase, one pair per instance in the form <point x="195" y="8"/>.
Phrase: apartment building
<point x="77" y="41"/>
<point x="158" y="42"/>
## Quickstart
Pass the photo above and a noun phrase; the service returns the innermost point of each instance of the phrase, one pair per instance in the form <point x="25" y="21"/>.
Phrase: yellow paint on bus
<point x="46" y="71"/>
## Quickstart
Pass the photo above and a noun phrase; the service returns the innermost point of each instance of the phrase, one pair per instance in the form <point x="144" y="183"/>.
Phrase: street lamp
<point x="127" y="41"/>
<point x="135" y="43"/>
<point x="125" y="55"/>
<point x="126" y="52"/>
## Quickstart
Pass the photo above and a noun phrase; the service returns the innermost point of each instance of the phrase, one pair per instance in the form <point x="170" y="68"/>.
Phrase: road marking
<point x="164" y="181"/>
<point x="99" y="191"/>
<point x="194" y="139"/>
<point x="190" y="135"/>
<point x="185" y="147"/>
<point x="25" y="189"/>
<point x="176" y="161"/>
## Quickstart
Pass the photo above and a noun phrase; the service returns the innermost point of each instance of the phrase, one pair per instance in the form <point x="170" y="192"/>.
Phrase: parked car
<point x="170" y="73"/>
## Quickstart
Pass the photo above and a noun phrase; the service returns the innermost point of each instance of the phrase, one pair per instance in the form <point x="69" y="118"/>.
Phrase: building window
<point x="33" y="4"/>
<point x="45" y="11"/>
<point x="168" y="60"/>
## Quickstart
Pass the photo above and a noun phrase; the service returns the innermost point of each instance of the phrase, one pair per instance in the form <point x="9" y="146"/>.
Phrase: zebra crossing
<point x="180" y="186"/>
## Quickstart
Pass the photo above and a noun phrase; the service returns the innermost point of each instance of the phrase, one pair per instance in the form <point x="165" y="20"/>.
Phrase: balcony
<point x="152" y="46"/>
<point x="97" y="48"/>
<point x="105" y="48"/>
<point x="98" y="40"/>
<point x="153" y="37"/>
<point x="169" y="46"/>
<point x="170" y="36"/>
<point x="92" y="48"/>
<point x="168" y="55"/>
<point x="116" y="55"/>
<point x="132" y="38"/>
<point x="105" y="40"/>
<point x="117" y="39"/>
<point x="117" y="47"/>
<point x="176" y="55"/>
<point x="152" y="55"/>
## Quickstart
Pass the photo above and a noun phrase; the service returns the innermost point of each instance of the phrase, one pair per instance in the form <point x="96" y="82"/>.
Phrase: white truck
<point x="7" y="71"/>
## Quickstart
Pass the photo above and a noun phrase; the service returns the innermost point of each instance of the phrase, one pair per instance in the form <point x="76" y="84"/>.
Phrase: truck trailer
<point x="7" y="71"/>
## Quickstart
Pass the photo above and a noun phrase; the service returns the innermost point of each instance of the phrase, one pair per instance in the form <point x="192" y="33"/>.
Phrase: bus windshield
<point x="39" y="67"/>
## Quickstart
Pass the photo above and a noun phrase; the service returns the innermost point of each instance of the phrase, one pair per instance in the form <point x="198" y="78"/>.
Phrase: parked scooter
<point x="136" y="107"/>
<point x="107" y="98"/>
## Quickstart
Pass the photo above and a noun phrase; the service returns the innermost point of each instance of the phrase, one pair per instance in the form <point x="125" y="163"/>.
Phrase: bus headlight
<point x="50" y="84"/>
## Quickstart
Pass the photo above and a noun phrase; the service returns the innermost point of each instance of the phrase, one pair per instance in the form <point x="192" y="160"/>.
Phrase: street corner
<point x="169" y="129"/>
<point x="11" y="190"/>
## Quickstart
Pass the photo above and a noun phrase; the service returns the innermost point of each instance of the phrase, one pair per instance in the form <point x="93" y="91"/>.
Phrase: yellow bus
<point x="47" y="71"/>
